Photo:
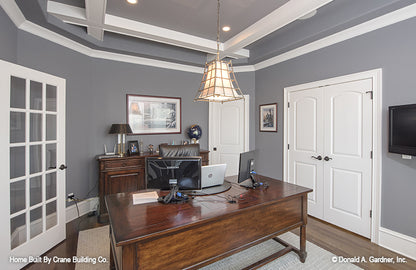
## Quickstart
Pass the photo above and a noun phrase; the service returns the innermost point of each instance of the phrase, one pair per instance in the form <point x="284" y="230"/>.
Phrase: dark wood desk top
<point x="131" y="223"/>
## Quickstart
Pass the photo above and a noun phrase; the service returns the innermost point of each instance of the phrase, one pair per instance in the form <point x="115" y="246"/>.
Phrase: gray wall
<point x="96" y="98"/>
<point x="391" y="48"/>
<point x="8" y="43"/>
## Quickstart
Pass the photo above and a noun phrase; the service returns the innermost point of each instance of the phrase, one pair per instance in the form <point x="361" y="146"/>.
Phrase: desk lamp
<point x="121" y="130"/>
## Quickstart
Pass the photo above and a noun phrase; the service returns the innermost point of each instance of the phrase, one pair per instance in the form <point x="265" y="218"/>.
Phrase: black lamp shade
<point x="120" y="129"/>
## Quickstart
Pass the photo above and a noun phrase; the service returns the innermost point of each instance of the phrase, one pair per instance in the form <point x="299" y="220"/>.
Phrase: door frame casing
<point x="246" y="126"/>
<point x="376" y="76"/>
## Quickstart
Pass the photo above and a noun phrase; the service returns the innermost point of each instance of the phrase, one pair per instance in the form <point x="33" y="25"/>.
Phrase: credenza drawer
<point x="122" y="163"/>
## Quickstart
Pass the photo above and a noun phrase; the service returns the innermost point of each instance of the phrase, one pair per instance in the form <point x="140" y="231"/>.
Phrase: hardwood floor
<point x="68" y="247"/>
<point x="327" y="236"/>
<point x="347" y="244"/>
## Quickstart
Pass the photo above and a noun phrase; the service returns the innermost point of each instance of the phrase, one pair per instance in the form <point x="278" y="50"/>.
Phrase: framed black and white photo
<point x="268" y="117"/>
<point x="153" y="114"/>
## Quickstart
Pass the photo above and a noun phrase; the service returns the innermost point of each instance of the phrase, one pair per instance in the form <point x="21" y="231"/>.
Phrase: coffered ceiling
<point x="189" y="24"/>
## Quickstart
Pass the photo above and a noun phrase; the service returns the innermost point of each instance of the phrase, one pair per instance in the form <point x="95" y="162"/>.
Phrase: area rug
<point x="93" y="249"/>
<point x="95" y="244"/>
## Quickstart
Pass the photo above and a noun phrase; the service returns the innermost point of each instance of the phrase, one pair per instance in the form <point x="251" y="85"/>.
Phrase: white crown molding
<point x="145" y="61"/>
<point x="385" y="20"/>
<point x="247" y="68"/>
<point x="47" y="34"/>
<point x="363" y="28"/>
<point x="277" y="19"/>
<point x="68" y="43"/>
<point x="13" y="11"/>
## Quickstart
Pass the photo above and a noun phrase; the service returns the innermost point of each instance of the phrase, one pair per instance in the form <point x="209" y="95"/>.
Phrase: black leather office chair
<point x="178" y="150"/>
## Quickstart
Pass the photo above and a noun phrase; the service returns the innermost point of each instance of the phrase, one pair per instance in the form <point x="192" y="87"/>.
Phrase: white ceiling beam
<point x="66" y="11"/>
<point x="95" y="13"/>
<point x="289" y="12"/>
<point x="150" y="32"/>
<point x="111" y="23"/>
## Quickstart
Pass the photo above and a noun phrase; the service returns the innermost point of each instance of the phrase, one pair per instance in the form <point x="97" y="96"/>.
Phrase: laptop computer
<point x="213" y="175"/>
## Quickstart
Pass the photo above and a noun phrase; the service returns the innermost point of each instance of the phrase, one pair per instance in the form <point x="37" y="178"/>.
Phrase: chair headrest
<point x="178" y="150"/>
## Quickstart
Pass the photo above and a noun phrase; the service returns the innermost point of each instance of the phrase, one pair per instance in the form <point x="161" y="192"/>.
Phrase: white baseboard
<point x="84" y="207"/>
<point x="398" y="242"/>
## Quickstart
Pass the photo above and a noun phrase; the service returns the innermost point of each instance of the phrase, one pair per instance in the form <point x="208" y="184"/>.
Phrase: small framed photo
<point x="268" y="117"/>
<point x="133" y="147"/>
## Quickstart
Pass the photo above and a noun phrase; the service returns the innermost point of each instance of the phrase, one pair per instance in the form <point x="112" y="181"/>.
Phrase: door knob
<point x="214" y="149"/>
<point x="62" y="167"/>
<point x="326" y="158"/>
<point x="318" y="157"/>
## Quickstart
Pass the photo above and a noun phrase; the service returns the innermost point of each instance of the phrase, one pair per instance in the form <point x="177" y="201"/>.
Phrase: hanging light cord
<point x="218" y="30"/>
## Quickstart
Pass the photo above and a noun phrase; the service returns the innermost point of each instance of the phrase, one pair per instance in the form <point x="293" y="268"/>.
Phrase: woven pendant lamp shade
<point x="218" y="82"/>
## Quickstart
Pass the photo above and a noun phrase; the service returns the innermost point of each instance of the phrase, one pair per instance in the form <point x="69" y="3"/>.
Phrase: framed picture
<point x="133" y="147"/>
<point x="268" y="117"/>
<point x="154" y="115"/>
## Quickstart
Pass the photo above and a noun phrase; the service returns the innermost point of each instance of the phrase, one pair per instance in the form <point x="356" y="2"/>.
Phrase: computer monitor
<point x="247" y="165"/>
<point x="162" y="170"/>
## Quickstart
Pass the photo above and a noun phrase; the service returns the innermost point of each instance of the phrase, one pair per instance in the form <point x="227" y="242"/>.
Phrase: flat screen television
<point x="186" y="171"/>
<point x="247" y="164"/>
<point x="402" y="129"/>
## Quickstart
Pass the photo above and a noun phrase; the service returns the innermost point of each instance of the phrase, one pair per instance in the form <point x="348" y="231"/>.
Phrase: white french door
<point x="330" y="146"/>
<point x="228" y="133"/>
<point x="33" y="145"/>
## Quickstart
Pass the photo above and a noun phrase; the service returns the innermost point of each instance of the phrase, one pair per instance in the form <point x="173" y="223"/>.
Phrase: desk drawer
<point x="122" y="163"/>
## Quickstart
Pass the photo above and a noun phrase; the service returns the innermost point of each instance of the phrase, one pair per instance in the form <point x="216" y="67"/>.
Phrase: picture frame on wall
<point x="268" y="117"/>
<point x="133" y="148"/>
<point x="153" y="114"/>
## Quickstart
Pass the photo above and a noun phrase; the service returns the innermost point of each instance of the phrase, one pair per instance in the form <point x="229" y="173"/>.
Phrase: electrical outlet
<point x="70" y="197"/>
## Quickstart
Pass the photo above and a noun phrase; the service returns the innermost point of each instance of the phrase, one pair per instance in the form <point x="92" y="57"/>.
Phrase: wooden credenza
<point x="125" y="174"/>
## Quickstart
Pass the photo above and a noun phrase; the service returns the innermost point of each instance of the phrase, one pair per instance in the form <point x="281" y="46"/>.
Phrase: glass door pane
<point x="17" y="92"/>
<point x="32" y="125"/>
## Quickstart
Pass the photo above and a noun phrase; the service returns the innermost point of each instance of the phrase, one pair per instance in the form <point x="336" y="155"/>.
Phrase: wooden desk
<point x="205" y="229"/>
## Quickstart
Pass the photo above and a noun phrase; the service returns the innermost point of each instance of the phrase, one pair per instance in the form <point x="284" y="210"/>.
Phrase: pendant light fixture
<point x="218" y="82"/>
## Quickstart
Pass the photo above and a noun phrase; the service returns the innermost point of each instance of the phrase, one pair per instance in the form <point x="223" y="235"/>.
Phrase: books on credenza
<point x="145" y="197"/>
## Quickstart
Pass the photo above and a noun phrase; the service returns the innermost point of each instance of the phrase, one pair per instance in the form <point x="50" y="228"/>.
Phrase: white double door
<point x="330" y="148"/>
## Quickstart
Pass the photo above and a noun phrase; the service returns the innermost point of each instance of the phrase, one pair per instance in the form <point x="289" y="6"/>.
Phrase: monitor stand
<point x="248" y="183"/>
<point x="253" y="183"/>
